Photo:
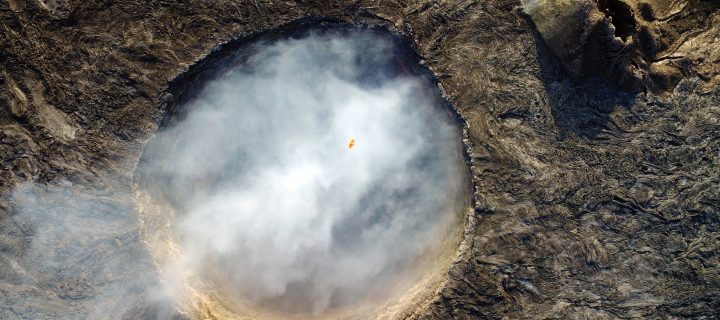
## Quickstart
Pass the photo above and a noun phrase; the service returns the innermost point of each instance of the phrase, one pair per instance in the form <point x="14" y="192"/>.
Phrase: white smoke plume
<point x="75" y="253"/>
<point x="272" y="202"/>
<point x="270" y="193"/>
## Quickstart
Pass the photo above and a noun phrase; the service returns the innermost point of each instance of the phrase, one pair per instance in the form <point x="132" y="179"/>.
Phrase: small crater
<point x="621" y="16"/>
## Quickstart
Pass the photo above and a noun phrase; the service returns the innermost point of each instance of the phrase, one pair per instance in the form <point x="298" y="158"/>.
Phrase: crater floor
<point x="311" y="171"/>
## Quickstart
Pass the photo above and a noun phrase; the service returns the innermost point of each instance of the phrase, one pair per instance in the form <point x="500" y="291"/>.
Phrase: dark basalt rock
<point x="590" y="201"/>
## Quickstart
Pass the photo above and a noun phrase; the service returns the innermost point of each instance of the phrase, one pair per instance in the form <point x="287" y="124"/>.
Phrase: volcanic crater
<point x="561" y="158"/>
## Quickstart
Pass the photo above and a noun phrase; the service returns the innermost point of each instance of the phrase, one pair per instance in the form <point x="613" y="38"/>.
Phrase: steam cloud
<point x="270" y="193"/>
<point x="272" y="202"/>
<point x="77" y="255"/>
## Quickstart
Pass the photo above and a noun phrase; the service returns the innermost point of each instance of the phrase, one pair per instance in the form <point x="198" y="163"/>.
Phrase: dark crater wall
<point x="590" y="202"/>
<point x="404" y="62"/>
<point x="160" y="173"/>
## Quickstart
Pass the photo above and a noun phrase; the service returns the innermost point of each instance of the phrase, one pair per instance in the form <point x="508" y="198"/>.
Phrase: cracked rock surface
<point x="595" y="163"/>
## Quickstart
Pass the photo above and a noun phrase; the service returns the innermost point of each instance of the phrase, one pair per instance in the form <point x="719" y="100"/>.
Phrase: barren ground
<point x="590" y="202"/>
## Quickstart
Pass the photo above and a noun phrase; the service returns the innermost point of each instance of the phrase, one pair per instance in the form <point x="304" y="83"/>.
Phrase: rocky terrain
<point x="595" y="147"/>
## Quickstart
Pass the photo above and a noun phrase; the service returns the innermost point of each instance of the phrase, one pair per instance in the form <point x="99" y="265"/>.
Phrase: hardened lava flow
<point x="155" y="168"/>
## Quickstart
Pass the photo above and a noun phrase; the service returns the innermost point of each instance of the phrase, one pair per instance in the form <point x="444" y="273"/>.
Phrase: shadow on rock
<point x="581" y="107"/>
